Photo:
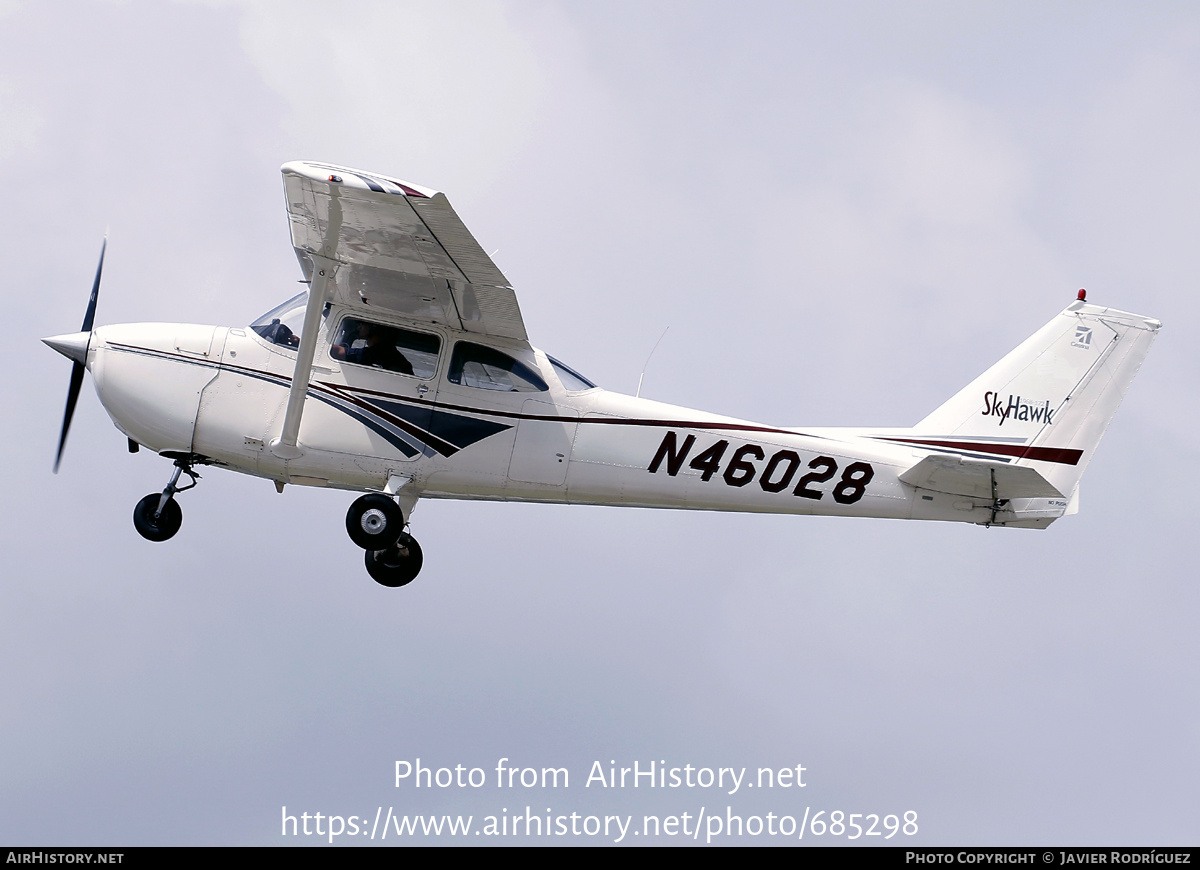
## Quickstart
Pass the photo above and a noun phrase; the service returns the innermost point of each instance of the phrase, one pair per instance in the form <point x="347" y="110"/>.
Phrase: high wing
<point x="373" y="242"/>
<point x="398" y="248"/>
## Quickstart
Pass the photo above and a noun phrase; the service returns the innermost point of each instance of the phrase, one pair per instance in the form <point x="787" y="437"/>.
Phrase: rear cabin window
<point x="386" y="347"/>
<point x="571" y="379"/>
<point x="474" y="365"/>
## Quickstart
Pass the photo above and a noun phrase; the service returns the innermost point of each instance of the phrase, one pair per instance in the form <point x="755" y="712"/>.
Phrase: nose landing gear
<point x="158" y="516"/>
<point x="376" y="523"/>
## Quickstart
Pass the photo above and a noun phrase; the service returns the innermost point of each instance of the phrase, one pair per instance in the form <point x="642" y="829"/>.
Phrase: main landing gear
<point x="376" y="523"/>
<point x="158" y="516"/>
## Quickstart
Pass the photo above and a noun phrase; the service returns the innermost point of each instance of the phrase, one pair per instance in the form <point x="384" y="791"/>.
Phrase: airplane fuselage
<point x="220" y="393"/>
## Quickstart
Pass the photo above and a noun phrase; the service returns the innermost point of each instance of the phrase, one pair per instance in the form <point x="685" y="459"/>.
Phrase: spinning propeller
<point x="75" y="347"/>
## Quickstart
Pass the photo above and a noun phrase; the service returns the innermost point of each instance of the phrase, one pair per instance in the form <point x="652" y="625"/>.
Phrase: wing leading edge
<point x="401" y="248"/>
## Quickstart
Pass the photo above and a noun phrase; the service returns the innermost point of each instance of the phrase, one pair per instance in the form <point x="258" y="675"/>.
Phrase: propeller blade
<point x="90" y="316"/>
<point x="77" y="369"/>
<point x="72" y="397"/>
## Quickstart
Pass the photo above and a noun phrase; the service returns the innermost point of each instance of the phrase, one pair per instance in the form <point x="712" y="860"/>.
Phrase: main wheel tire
<point x="398" y="565"/>
<point x="374" y="522"/>
<point x="167" y="523"/>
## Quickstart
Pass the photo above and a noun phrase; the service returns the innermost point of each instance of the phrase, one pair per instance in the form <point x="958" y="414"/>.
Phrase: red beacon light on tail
<point x="1081" y="295"/>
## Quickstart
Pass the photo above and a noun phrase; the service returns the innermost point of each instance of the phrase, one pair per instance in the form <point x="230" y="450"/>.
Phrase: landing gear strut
<point x="158" y="516"/>
<point x="375" y="522"/>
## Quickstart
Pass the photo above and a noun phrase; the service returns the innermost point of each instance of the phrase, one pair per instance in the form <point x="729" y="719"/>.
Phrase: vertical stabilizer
<point x="1049" y="401"/>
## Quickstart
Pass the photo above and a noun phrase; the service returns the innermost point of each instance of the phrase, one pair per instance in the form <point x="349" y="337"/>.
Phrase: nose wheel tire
<point x="374" y="522"/>
<point x="159" y="528"/>
<point x="397" y="565"/>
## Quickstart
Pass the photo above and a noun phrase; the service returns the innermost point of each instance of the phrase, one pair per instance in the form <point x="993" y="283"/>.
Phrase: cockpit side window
<point x="386" y="347"/>
<point x="474" y="365"/>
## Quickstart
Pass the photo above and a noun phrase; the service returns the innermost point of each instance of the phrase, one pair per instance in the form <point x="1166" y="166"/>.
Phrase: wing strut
<point x="318" y="294"/>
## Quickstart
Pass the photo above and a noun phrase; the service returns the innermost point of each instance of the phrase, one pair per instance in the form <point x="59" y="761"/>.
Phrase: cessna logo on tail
<point x="994" y="406"/>
<point x="1083" y="337"/>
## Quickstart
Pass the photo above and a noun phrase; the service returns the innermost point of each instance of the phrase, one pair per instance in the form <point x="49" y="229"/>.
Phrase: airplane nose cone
<point x="73" y="346"/>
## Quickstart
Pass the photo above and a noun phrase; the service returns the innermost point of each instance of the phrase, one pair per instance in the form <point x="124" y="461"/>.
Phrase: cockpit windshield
<point x="283" y="323"/>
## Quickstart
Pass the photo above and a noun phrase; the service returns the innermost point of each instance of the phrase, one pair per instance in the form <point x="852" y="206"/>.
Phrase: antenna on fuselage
<point x="646" y="364"/>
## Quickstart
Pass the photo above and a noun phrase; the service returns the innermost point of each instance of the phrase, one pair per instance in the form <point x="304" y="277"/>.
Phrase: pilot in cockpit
<point x="278" y="333"/>
<point x="372" y="345"/>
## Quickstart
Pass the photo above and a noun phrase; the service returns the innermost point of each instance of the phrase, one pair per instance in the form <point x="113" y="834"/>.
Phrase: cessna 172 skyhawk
<point x="404" y="372"/>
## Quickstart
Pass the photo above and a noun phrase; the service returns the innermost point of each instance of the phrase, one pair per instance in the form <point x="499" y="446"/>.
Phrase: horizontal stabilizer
<point x="974" y="478"/>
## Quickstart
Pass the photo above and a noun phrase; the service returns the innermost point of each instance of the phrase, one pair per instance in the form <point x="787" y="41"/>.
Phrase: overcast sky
<point x="844" y="213"/>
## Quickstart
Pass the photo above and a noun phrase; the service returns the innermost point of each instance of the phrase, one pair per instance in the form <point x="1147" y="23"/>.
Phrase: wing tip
<point x="356" y="178"/>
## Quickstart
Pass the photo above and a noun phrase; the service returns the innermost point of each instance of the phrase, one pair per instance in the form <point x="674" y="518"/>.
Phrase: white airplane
<point x="404" y="372"/>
